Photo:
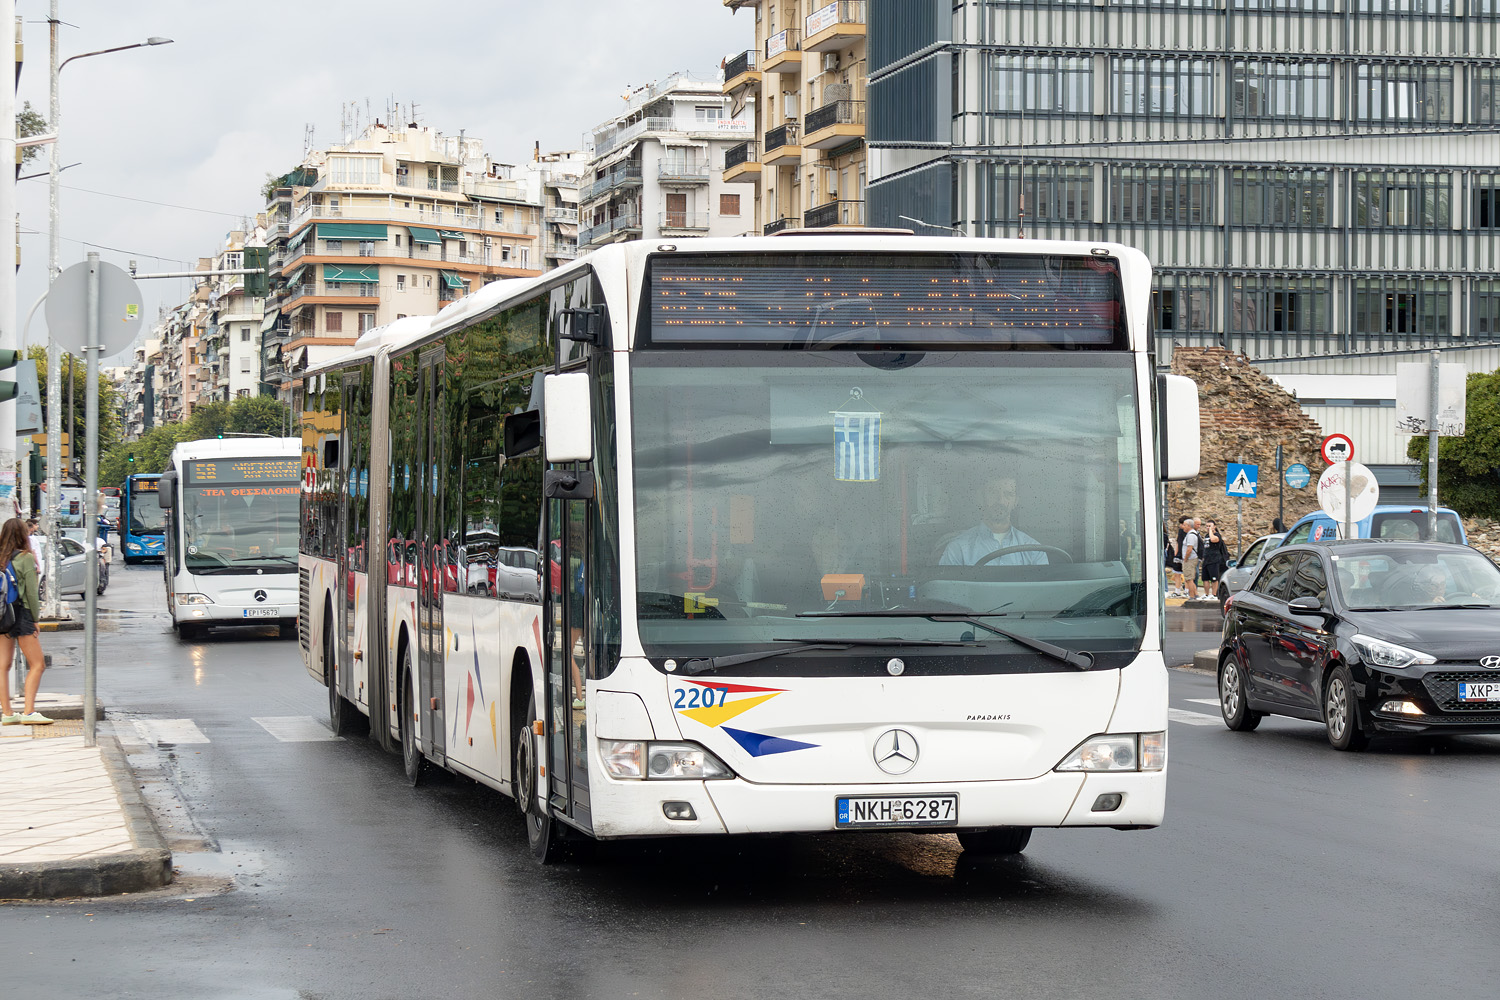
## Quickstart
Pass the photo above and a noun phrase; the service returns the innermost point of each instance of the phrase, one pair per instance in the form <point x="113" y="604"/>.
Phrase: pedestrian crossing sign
<point x="1241" y="480"/>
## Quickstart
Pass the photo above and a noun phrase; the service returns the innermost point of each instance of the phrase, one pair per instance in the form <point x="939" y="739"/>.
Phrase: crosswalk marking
<point x="158" y="731"/>
<point x="295" y="728"/>
<point x="1192" y="718"/>
<point x="1204" y="701"/>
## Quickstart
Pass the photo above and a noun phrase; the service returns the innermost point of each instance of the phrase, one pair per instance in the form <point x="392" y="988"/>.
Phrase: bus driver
<point x="994" y="532"/>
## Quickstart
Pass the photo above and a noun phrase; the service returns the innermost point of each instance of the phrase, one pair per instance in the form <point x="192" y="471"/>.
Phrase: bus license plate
<point x="1479" y="690"/>
<point x="261" y="613"/>
<point x="855" y="811"/>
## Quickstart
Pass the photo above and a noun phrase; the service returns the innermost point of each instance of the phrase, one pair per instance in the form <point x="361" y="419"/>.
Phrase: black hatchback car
<point x="1367" y="637"/>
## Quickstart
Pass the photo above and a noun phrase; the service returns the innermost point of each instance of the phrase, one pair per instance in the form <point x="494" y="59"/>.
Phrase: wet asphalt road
<point x="309" y="869"/>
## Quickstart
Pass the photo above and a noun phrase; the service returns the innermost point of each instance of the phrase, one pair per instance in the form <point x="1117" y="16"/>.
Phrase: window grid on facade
<point x="1485" y="297"/>
<point x="1403" y="93"/>
<point x="1182" y="306"/>
<point x="1400" y="199"/>
<point x="1177" y="196"/>
<point x="1042" y="83"/>
<point x="1277" y="197"/>
<point x="1279" y="89"/>
<point x="1392" y="311"/>
<point x="1044" y="192"/>
<point x="1277" y="315"/>
<point x="1486" y="202"/>
<point x="1167" y="86"/>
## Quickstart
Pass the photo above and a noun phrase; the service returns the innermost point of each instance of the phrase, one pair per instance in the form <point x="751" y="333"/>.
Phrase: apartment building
<point x="184" y="374"/>
<point x="398" y="222"/>
<point x="140" y="388"/>
<point x="653" y="169"/>
<point x="232" y="332"/>
<point x="1309" y="177"/>
<point x="553" y="180"/>
<point x="803" y="86"/>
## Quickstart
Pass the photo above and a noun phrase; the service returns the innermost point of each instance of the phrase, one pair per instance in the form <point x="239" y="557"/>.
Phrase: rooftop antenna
<point x="308" y="140"/>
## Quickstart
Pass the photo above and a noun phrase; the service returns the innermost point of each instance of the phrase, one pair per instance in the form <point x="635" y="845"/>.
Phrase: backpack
<point x="12" y="595"/>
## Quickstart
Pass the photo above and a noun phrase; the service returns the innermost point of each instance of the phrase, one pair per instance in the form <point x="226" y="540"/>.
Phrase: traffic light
<point x="8" y="361"/>
<point x="258" y="285"/>
<point x="130" y="457"/>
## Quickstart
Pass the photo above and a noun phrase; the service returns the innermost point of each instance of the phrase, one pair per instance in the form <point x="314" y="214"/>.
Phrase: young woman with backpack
<point x="18" y="584"/>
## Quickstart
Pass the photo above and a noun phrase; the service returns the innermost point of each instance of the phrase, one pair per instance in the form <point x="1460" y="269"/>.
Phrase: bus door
<point x="570" y="657"/>
<point x="345" y="592"/>
<point x="430" y="550"/>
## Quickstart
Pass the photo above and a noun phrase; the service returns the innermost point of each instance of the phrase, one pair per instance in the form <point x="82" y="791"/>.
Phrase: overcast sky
<point x="197" y="125"/>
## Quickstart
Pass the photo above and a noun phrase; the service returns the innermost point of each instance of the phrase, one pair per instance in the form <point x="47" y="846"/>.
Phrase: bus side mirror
<point x="1177" y="407"/>
<point x="166" y="490"/>
<point x="567" y="418"/>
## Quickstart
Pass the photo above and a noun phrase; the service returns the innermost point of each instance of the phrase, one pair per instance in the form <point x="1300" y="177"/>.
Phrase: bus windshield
<point x="146" y="515"/>
<point x="241" y="515"/>
<point x="795" y="496"/>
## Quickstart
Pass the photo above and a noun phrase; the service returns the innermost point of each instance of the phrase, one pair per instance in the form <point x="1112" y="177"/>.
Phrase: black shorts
<point x="25" y="625"/>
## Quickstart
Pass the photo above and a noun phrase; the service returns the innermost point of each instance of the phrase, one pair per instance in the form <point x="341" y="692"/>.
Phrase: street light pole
<point x="53" y="608"/>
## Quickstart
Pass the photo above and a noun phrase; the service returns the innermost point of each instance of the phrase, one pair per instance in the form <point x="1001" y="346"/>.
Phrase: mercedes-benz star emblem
<point x="260" y="595"/>
<point x="1490" y="662"/>
<point x="896" y="751"/>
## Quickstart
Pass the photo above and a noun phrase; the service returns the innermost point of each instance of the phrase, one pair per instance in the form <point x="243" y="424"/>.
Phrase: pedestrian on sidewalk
<point x="18" y="582"/>
<point x="1191" y="550"/>
<point x="1215" y="558"/>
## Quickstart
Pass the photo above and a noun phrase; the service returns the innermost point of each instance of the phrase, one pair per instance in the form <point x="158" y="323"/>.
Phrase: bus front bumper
<point x="733" y="806"/>
<point x="235" y="614"/>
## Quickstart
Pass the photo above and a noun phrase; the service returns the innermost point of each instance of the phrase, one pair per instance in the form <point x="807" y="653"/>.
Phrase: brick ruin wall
<point x="1244" y="416"/>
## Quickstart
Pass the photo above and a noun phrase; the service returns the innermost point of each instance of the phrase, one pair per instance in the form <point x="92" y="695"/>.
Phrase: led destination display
<point x="833" y="301"/>
<point x="239" y="471"/>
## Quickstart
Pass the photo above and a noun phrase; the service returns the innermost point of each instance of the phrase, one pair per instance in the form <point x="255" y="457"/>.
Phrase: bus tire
<point x="543" y="835"/>
<point x="411" y="754"/>
<point x="188" y="632"/>
<point x="1000" y="840"/>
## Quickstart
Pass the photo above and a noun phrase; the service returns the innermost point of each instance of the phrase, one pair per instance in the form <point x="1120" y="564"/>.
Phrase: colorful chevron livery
<point x="713" y="703"/>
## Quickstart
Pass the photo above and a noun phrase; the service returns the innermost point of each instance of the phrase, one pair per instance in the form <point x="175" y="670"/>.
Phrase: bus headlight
<point x="193" y="599"/>
<point x="132" y="547"/>
<point x="1118" y="752"/>
<point x="636" y="759"/>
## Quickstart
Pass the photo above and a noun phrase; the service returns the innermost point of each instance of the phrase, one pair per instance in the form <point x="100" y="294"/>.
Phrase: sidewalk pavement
<point x="75" y="822"/>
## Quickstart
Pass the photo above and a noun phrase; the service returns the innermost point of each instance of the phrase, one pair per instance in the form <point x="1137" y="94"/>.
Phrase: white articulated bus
<point x="800" y="533"/>
<point x="230" y="556"/>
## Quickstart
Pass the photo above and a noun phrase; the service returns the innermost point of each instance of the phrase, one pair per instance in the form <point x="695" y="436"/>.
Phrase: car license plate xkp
<point x="1479" y="691"/>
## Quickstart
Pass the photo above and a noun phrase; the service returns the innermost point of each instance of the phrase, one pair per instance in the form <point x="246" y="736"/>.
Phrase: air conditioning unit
<point x="830" y="61"/>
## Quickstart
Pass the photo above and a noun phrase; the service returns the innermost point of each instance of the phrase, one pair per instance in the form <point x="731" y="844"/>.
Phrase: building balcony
<point x="835" y="213"/>
<point x="741" y="71"/>
<point x="562" y="249"/>
<point x="684" y="222"/>
<point x="742" y="163"/>
<point x="834" y="26"/>
<point x="605" y="231"/>
<point x="560" y="214"/>
<point x="624" y="175"/>
<point x="682" y="172"/>
<point x="834" y="124"/>
<point x="782" y="146"/>
<point x="737" y="4"/>
<point x="783" y="52"/>
<point x="778" y="226"/>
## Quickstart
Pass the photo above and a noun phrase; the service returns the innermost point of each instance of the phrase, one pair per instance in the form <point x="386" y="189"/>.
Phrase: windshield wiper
<point x="1072" y="657"/>
<point x="701" y="666"/>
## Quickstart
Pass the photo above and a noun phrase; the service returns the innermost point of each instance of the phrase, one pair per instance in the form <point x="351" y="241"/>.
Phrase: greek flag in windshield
<point x="856" y="446"/>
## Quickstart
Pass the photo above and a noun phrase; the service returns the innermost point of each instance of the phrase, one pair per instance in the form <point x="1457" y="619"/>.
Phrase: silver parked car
<point x="1237" y="577"/>
<point x="71" y="567"/>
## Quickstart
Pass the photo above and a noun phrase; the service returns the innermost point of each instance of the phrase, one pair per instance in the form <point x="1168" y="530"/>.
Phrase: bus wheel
<point x="411" y="754"/>
<point x="188" y="632"/>
<point x="543" y="836"/>
<point x="1001" y="840"/>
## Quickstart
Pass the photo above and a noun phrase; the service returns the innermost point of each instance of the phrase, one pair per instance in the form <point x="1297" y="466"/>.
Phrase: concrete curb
<point x="146" y="866"/>
<point x="60" y="625"/>
<point x="1207" y="660"/>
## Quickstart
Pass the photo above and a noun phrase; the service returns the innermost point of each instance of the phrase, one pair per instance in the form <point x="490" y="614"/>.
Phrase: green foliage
<point x="28" y="123"/>
<point x="111" y="427"/>
<point x="1469" y="466"/>
<point x="153" y="450"/>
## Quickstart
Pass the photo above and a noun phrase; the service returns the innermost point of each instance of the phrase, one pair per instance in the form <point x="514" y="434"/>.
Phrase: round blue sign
<point x="1297" y="476"/>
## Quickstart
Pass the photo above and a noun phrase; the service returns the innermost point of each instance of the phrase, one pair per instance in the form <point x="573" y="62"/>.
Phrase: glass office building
<point x="1310" y="177"/>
